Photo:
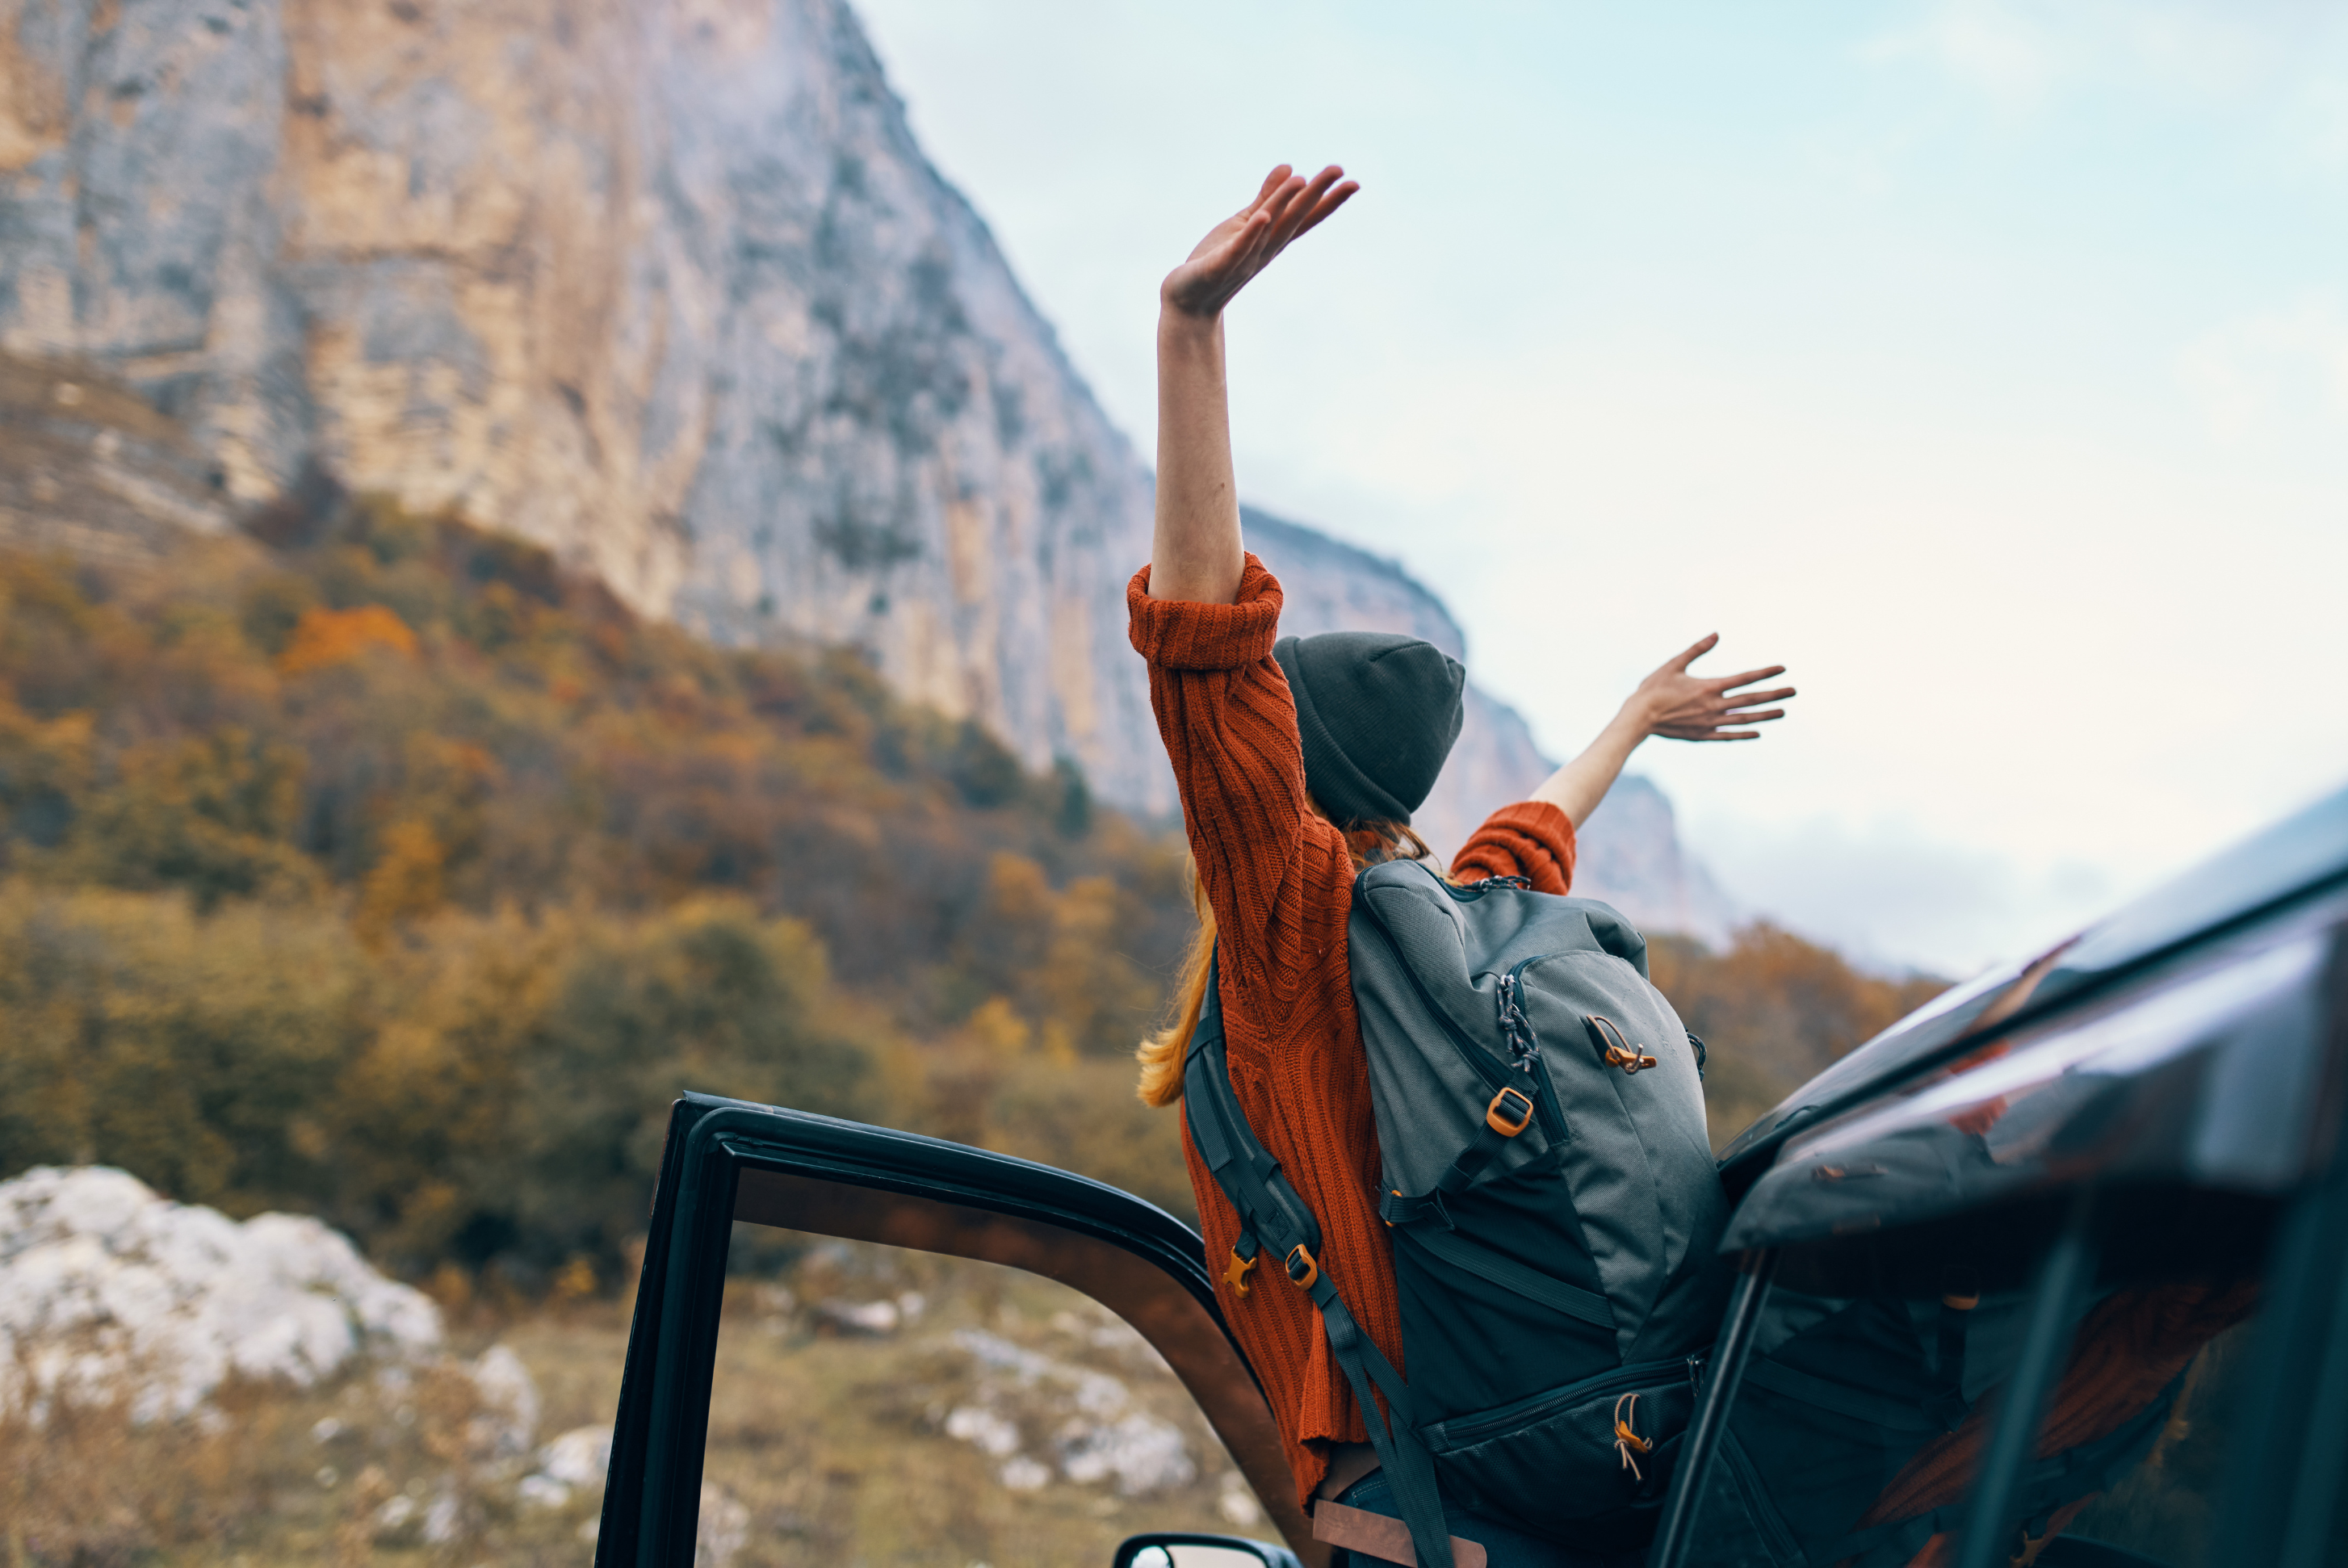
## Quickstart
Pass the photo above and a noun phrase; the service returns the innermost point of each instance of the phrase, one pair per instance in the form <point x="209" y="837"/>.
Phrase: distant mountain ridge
<point x="671" y="289"/>
<point x="1630" y="851"/>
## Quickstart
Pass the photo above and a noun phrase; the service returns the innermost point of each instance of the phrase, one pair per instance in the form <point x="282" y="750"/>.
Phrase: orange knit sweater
<point x="1281" y="883"/>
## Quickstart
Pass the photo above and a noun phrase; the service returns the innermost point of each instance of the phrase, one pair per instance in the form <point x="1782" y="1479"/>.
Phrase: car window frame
<point x="728" y="1160"/>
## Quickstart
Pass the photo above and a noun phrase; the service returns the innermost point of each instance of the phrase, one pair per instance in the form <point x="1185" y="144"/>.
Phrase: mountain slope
<point x="1630" y="851"/>
<point x="665" y="286"/>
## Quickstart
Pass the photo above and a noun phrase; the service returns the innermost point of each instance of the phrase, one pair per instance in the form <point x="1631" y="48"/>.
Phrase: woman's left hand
<point x="1678" y="706"/>
<point x="1244" y="243"/>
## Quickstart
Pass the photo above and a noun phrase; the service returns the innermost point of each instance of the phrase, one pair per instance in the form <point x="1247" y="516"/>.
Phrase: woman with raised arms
<point x="1300" y="762"/>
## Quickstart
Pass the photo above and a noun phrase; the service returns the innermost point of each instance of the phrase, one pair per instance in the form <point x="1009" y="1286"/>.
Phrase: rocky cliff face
<point x="664" y="284"/>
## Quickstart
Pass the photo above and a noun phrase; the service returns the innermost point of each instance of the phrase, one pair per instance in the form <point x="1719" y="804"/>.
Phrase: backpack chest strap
<point x="1510" y="1112"/>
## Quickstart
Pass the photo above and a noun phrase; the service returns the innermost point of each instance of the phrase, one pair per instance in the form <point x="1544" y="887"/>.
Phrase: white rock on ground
<point x="1141" y="1452"/>
<point x="579" y="1457"/>
<point x="101" y="1281"/>
<point x="724" y="1528"/>
<point x="1100" y="1435"/>
<point x="508" y="1420"/>
<point x="986" y="1430"/>
<point x="875" y="1318"/>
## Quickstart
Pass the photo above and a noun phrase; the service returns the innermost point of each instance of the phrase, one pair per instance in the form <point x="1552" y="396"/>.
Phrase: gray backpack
<point x="1552" y="1198"/>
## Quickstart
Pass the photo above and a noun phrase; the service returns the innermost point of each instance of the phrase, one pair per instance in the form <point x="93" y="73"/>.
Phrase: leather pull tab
<point x="1378" y="1536"/>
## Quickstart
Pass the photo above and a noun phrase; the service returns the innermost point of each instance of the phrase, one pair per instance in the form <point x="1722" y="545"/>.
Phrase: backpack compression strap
<point x="1510" y="1112"/>
<point x="1272" y="1212"/>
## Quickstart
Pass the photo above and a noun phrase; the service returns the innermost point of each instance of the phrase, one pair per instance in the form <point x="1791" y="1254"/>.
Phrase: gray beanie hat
<point x="1378" y="713"/>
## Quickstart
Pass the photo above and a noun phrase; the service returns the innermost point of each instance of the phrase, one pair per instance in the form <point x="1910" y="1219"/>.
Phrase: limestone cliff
<point x="664" y="284"/>
<point x="87" y="466"/>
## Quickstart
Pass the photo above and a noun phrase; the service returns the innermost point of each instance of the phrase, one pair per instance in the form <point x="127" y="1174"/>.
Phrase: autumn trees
<point x="386" y="871"/>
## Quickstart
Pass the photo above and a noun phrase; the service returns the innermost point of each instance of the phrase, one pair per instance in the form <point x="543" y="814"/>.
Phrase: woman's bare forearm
<point x="1673" y="703"/>
<point x="1195" y="553"/>
<point x="1577" y="787"/>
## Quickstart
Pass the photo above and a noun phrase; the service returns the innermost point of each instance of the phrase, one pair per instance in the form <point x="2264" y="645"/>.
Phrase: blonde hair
<point x="1161" y="1055"/>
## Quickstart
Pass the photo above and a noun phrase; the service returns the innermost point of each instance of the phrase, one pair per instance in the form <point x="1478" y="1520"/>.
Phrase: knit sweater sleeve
<point x="1532" y="839"/>
<point x="1228" y="723"/>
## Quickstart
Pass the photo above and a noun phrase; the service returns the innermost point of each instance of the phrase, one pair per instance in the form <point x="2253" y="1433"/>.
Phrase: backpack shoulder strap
<point x="1273" y="1213"/>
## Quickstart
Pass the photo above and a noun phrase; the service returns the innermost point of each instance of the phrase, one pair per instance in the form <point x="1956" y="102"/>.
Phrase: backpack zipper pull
<point x="1524" y="1049"/>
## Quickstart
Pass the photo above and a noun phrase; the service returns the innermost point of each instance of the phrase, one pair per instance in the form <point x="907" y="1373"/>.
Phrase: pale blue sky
<point x="1987" y="363"/>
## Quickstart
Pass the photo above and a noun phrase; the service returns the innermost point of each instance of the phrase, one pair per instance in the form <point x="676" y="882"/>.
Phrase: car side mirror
<point x="1175" y="1550"/>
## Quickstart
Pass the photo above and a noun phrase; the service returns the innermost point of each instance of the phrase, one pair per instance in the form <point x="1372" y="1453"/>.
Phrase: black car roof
<point x="2302" y="858"/>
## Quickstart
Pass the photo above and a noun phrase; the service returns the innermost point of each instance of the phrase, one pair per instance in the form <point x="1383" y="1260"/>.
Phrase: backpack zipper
<point x="1475" y="889"/>
<point x="1510" y="991"/>
<point x="1643" y="1375"/>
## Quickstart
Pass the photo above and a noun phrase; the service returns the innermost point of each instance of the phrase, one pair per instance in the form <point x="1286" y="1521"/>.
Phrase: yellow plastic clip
<point x="1509" y="1113"/>
<point x="1236" y="1275"/>
<point x="1302" y="1268"/>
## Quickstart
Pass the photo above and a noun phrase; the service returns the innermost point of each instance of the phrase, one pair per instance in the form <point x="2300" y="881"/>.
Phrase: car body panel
<point x="2300" y="859"/>
<point x="2212" y="1073"/>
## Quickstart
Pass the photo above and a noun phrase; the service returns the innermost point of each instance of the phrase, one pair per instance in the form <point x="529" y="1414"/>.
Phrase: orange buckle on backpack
<point x="1236" y="1276"/>
<point x="1503" y="1116"/>
<point x="1301" y="1269"/>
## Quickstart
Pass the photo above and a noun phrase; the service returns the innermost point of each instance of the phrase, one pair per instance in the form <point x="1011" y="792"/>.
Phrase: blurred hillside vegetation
<point x="374" y="866"/>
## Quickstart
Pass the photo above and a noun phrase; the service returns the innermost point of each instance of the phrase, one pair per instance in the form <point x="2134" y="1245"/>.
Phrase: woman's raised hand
<point x="1678" y="706"/>
<point x="1244" y="243"/>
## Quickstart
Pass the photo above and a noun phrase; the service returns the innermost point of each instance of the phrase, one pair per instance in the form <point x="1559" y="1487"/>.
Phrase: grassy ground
<point x="269" y="1475"/>
<point x="957" y="1436"/>
<point x="835" y="1446"/>
<point x="828" y="1443"/>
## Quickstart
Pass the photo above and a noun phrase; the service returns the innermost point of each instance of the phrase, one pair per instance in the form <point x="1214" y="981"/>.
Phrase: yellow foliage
<point x="1775" y="1010"/>
<point x="575" y="1281"/>
<point x="405" y="881"/>
<point x="999" y="1029"/>
<point x="324" y="638"/>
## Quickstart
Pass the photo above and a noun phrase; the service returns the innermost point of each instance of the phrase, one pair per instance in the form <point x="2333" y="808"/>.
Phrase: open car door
<point x="730" y="1164"/>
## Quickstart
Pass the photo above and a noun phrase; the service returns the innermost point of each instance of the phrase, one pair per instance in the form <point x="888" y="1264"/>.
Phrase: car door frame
<point x="727" y="1160"/>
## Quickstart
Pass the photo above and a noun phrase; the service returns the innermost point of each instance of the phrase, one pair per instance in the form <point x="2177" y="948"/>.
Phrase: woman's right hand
<point x="1671" y="703"/>
<point x="1678" y="706"/>
<point x="1244" y="243"/>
